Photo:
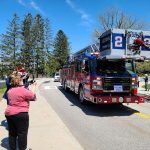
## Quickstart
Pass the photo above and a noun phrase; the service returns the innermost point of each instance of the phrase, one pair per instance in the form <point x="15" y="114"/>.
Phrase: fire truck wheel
<point x="81" y="96"/>
<point x="65" y="87"/>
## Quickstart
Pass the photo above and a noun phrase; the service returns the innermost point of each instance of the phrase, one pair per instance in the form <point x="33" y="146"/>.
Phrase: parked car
<point x="56" y="77"/>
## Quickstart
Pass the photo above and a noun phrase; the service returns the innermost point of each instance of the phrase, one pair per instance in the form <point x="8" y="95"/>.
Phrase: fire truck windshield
<point x="114" y="66"/>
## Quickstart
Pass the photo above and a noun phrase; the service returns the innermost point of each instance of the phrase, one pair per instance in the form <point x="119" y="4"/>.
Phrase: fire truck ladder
<point x="89" y="49"/>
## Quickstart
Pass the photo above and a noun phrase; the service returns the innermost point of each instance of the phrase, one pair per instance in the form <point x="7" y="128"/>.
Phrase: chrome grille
<point x="108" y="84"/>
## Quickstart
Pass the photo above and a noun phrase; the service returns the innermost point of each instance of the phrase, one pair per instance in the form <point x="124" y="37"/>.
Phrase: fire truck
<point x="105" y="73"/>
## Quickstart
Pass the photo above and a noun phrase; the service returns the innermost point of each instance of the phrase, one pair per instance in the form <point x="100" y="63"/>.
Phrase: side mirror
<point x="83" y="65"/>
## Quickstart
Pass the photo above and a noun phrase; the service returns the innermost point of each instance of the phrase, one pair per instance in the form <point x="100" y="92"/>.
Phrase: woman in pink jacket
<point x="17" y="113"/>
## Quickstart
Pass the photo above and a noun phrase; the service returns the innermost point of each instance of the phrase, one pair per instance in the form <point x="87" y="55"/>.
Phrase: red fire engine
<point x="102" y="77"/>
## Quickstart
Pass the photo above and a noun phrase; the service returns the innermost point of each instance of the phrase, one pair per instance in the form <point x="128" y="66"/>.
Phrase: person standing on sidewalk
<point x="17" y="113"/>
<point x="146" y="82"/>
<point x="8" y="85"/>
<point x="139" y="81"/>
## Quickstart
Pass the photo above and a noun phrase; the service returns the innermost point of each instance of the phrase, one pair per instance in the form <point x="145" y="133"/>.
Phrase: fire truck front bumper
<point x="117" y="99"/>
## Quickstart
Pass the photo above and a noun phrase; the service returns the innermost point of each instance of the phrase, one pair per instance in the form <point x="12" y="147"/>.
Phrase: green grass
<point x="2" y="90"/>
<point x="148" y="86"/>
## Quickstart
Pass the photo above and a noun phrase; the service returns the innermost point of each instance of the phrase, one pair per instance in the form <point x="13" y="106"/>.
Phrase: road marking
<point x="142" y="115"/>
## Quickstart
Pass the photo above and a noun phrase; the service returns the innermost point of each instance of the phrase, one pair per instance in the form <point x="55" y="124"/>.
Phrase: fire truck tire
<point x="81" y="96"/>
<point x="65" y="87"/>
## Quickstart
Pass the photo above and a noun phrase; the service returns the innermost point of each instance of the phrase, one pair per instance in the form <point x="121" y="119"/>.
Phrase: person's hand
<point x="33" y="87"/>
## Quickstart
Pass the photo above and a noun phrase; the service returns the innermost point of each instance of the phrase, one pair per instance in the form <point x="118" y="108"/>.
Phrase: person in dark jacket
<point x="8" y="84"/>
<point x="146" y="82"/>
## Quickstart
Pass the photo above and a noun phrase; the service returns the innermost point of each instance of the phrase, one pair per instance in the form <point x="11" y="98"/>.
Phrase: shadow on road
<point x="4" y="124"/>
<point x="48" y="81"/>
<point x="102" y="110"/>
<point x="4" y="143"/>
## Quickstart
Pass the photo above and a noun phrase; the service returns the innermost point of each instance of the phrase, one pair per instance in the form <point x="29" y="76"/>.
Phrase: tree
<point x="61" y="48"/>
<point x="52" y="65"/>
<point x="48" y="36"/>
<point x="143" y="67"/>
<point x="30" y="44"/>
<point x="38" y="36"/>
<point x="48" y="44"/>
<point x="115" y="18"/>
<point x="27" y="41"/>
<point x="10" y="42"/>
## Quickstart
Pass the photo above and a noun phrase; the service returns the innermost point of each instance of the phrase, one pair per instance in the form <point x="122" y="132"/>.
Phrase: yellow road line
<point x="142" y="115"/>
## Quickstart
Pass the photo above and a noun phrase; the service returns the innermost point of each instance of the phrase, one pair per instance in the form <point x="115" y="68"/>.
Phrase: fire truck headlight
<point x="134" y="83"/>
<point x="97" y="85"/>
<point x="98" y="78"/>
<point x="133" y="79"/>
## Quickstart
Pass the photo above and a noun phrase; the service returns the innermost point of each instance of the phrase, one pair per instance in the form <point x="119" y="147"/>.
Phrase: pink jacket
<point x="19" y="98"/>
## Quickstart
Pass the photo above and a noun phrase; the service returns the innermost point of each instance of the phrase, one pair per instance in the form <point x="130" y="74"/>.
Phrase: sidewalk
<point x="46" y="131"/>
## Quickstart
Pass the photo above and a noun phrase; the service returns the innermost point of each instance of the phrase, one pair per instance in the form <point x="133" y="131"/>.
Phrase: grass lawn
<point x="148" y="86"/>
<point x="2" y="90"/>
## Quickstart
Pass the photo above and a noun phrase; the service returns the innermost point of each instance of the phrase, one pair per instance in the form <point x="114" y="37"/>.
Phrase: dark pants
<point x="146" y="86"/>
<point x="18" y="130"/>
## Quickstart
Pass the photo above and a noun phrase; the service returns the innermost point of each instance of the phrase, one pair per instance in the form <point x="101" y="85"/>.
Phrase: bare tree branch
<point x="114" y="18"/>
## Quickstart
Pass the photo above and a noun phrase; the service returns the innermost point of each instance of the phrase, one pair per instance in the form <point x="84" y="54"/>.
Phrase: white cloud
<point x="86" y="20"/>
<point x="21" y="2"/>
<point x="31" y="3"/>
<point x="70" y="3"/>
<point x="34" y="5"/>
<point x="85" y="17"/>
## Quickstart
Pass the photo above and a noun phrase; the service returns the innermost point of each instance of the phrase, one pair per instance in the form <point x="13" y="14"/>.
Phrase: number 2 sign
<point x="118" y="41"/>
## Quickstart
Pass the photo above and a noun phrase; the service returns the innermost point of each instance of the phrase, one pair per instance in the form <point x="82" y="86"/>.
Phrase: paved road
<point x="101" y="127"/>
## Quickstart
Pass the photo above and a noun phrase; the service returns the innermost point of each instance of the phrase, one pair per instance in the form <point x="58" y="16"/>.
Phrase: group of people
<point x="18" y="97"/>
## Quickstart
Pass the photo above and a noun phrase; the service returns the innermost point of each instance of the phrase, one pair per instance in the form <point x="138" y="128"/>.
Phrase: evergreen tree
<point x="10" y="42"/>
<point x="51" y="65"/>
<point x="38" y="44"/>
<point x="27" y="41"/>
<point x="48" y="46"/>
<point x="61" y="48"/>
<point x="48" y="36"/>
<point x="32" y="45"/>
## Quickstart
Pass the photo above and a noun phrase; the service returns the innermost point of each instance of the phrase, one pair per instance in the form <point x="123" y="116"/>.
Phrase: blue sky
<point x="77" y="18"/>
